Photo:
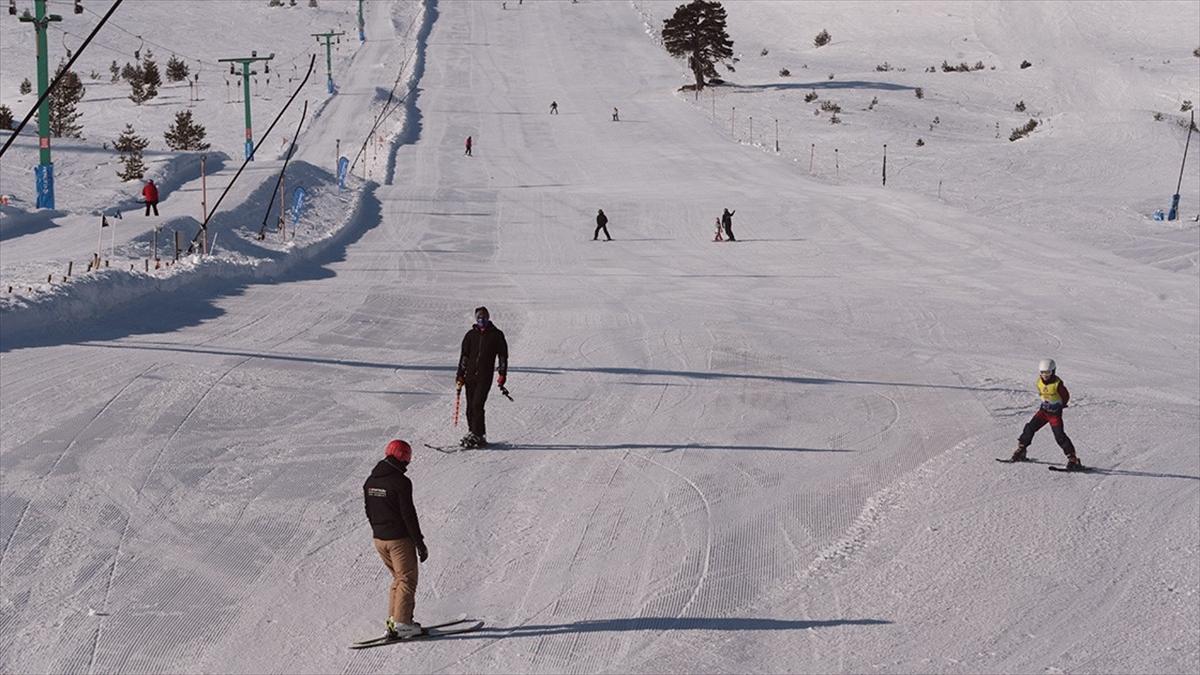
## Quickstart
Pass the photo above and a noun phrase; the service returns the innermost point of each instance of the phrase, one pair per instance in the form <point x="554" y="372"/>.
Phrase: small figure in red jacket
<point x="150" y="194"/>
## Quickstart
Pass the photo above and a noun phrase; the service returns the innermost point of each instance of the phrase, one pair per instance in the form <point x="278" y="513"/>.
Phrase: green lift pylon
<point x="44" y="174"/>
<point x="246" y="73"/>
<point x="328" y="37"/>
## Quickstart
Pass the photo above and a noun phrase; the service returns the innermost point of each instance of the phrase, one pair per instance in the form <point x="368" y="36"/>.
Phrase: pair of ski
<point x="452" y="449"/>
<point x="1052" y="467"/>
<point x="430" y="633"/>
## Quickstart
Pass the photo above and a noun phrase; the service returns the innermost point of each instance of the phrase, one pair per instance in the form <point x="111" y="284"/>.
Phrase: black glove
<point x="422" y="552"/>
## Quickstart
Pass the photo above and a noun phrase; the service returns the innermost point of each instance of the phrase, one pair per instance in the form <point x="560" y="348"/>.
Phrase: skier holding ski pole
<point x="484" y="349"/>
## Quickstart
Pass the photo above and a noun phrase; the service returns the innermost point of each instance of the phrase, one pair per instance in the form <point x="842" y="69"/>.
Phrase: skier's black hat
<point x="483" y="310"/>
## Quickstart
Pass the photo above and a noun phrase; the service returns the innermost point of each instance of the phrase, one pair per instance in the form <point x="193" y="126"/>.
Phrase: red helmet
<point x="401" y="450"/>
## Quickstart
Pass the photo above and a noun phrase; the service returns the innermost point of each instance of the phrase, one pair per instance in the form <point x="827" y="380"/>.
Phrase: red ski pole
<point x="457" y="402"/>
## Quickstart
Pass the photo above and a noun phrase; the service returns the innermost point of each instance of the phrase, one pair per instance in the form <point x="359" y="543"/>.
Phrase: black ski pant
<point x="477" y="393"/>
<point x="152" y="205"/>
<point x="729" y="232"/>
<point x="596" y="235"/>
<point x="1040" y="419"/>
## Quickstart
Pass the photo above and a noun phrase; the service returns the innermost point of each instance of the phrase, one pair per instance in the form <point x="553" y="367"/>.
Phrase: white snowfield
<point x="773" y="455"/>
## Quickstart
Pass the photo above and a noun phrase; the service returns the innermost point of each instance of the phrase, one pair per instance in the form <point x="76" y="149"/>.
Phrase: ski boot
<point x="1073" y="463"/>
<point x="1019" y="454"/>
<point x="400" y="631"/>
<point x="469" y="441"/>
<point x="481" y="441"/>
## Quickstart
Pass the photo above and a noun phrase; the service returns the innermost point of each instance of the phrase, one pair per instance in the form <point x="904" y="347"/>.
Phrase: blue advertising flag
<point x="343" y="169"/>
<point x="298" y="196"/>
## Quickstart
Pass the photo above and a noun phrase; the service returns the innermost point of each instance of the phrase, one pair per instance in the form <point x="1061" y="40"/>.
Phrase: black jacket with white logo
<point x="388" y="498"/>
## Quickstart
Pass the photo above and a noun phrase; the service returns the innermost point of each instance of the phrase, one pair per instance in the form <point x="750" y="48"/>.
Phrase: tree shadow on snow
<point x="665" y="447"/>
<point x="829" y="84"/>
<point x="719" y="376"/>
<point x="654" y="623"/>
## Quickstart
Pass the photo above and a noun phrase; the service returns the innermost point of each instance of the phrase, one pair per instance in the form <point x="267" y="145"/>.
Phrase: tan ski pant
<point x="400" y="556"/>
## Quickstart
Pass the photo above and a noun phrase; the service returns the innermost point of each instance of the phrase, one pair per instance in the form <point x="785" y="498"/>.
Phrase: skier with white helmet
<point x="1054" y="395"/>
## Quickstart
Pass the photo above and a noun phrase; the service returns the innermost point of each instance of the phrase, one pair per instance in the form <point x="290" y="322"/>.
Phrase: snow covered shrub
<point x="1187" y="105"/>
<point x="978" y="66"/>
<point x="130" y="147"/>
<point x="312" y="3"/>
<point x="185" y="134"/>
<point x="1025" y="64"/>
<point x="1020" y="106"/>
<point x="275" y="3"/>
<point x="920" y="92"/>
<point x="25" y="87"/>
<point x="115" y="70"/>
<point x="883" y="67"/>
<point x="764" y="51"/>
<point x="920" y="142"/>
<point x="177" y="70"/>
<point x="834" y="119"/>
<point x="830" y="106"/>
<point x="1024" y="130"/>
<point x="822" y="38"/>
<point x="1158" y="117"/>
<point x="874" y="102"/>
<point x="6" y="117"/>
<point x="810" y="96"/>
<point x="784" y="72"/>
<point x="831" y="76"/>
<point x="1196" y="52"/>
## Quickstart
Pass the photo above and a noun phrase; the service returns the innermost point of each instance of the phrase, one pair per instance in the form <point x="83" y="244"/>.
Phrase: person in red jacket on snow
<point x="150" y="194"/>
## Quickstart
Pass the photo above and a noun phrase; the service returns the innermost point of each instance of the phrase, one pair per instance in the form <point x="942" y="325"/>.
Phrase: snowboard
<point x="431" y="633"/>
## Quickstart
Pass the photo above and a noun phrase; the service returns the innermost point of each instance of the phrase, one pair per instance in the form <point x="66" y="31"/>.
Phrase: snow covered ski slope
<point x="773" y="455"/>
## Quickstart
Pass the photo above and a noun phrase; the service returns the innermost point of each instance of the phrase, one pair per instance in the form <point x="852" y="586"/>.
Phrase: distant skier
<point x="1055" y="397"/>
<point x="616" y="115"/>
<point x="727" y="223"/>
<point x="387" y="494"/>
<point x="150" y="194"/>
<point x="484" y="349"/>
<point x="553" y="107"/>
<point x="468" y="152"/>
<point x="717" y="236"/>
<point x="601" y="224"/>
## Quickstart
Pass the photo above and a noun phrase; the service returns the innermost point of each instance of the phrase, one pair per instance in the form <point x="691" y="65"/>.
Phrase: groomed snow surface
<point x="773" y="455"/>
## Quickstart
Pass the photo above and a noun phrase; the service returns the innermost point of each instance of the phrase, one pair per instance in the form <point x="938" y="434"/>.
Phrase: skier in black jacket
<point x="601" y="224"/>
<point x="727" y="223"/>
<point x="483" y="349"/>
<point x="397" y="532"/>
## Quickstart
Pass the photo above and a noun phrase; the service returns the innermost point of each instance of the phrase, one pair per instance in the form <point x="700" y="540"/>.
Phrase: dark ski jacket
<point x="388" y="499"/>
<point x="601" y="219"/>
<point x="481" y="349"/>
<point x="727" y="218"/>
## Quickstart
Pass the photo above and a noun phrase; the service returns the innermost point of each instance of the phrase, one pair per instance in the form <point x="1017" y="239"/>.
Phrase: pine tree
<point x="130" y="147"/>
<point x="177" y="70"/>
<point x="185" y="134"/>
<point x="115" y="70"/>
<point x="150" y="76"/>
<point x="128" y="72"/>
<point x="137" y="86"/>
<point x="697" y="32"/>
<point x="25" y="86"/>
<point x="6" y="117"/>
<point x="64" y="103"/>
